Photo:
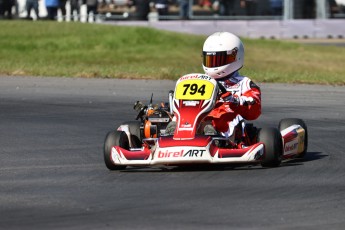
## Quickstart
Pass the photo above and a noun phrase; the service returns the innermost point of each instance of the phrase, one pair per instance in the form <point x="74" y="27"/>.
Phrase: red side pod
<point x="226" y="153"/>
<point x="134" y="155"/>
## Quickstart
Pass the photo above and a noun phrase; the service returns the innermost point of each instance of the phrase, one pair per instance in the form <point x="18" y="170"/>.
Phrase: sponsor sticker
<point x="290" y="147"/>
<point x="191" y="153"/>
<point x="191" y="103"/>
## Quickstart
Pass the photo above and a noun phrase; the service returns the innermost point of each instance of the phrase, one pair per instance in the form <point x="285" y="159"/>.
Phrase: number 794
<point x="193" y="89"/>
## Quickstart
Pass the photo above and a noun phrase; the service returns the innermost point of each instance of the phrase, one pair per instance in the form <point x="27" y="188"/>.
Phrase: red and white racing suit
<point x="227" y="114"/>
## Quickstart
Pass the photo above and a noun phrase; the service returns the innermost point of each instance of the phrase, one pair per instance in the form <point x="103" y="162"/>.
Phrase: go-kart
<point x="146" y="142"/>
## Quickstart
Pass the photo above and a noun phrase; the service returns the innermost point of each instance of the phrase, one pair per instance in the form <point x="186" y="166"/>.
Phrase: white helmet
<point x="223" y="54"/>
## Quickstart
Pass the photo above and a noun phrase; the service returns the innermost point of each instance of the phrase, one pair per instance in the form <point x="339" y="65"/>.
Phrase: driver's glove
<point x="246" y="100"/>
<point x="236" y="100"/>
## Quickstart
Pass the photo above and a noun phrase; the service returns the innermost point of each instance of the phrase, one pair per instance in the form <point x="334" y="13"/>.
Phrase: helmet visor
<point x="216" y="59"/>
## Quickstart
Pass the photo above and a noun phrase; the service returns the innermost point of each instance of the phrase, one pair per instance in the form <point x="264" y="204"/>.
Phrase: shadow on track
<point x="310" y="156"/>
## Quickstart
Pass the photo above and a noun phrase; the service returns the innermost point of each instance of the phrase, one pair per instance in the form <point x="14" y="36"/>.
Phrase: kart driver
<point x="223" y="57"/>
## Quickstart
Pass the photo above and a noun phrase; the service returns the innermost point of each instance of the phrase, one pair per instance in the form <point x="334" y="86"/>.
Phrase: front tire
<point x="114" y="138"/>
<point x="136" y="133"/>
<point x="285" y="123"/>
<point x="272" y="139"/>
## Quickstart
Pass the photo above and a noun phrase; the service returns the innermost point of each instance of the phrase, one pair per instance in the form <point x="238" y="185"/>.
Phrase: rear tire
<point x="114" y="138"/>
<point x="272" y="139"/>
<point x="285" y="123"/>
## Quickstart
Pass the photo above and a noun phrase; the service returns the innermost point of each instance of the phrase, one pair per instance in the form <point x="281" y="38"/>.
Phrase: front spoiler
<point x="199" y="151"/>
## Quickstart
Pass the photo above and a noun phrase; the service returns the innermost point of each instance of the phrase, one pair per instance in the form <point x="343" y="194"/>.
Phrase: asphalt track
<point x="52" y="174"/>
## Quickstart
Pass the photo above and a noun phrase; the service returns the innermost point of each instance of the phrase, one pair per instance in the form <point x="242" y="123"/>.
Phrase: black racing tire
<point x="136" y="133"/>
<point x="285" y="123"/>
<point x="272" y="139"/>
<point x="114" y="138"/>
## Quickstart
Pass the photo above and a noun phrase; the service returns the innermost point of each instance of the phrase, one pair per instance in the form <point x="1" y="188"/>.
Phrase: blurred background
<point x="273" y="19"/>
<point x="154" y="10"/>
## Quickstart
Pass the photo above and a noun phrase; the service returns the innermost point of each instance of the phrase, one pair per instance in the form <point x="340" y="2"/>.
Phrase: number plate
<point x="194" y="89"/>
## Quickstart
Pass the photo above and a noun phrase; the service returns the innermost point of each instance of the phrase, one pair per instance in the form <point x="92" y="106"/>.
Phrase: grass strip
<point x="46" y="48"/>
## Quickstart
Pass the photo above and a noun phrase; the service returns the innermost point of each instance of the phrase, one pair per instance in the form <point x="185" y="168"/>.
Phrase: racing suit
<point x="241" y="101"/>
